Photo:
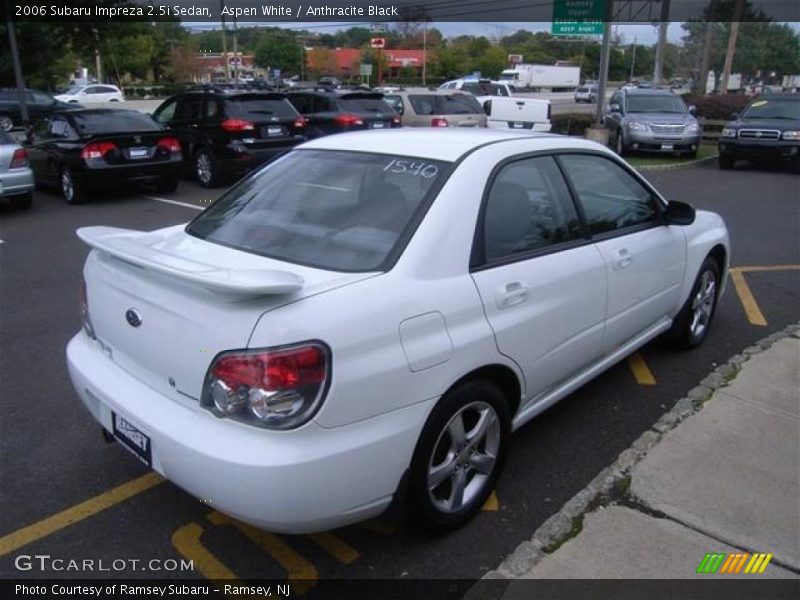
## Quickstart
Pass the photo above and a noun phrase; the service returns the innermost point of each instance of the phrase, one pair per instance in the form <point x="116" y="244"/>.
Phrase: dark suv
<point x="768" y="128"/>
<point x="225" y="133"/>
<point x="330" y="112"/>
<point x="39" y="104"/>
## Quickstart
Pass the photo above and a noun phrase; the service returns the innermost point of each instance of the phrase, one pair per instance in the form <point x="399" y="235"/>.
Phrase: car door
<point x="645" y="258"/>
<point x="541" y="280"/>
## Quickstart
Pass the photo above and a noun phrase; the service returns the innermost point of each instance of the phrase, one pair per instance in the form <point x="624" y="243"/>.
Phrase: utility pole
<point x="633" y="60"/>
<point x="661" y="47"/>
<point x="726" y="70"/>
<point x="227" y="67"/>
<point x="708" y="42"/>
<point x="12" y="41"/>
<point x="424" y="52"/>
<point x="605" y="50"/>
<point x="98" y="65"/>
<point x="235" y="53"/>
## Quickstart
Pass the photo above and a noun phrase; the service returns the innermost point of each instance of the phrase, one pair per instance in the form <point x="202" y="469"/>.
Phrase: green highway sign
<point x="578" y="17"/>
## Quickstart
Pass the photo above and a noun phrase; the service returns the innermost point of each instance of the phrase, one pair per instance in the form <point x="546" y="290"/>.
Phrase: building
<point x="210" y="66"/>
<point x="346" y="61"/>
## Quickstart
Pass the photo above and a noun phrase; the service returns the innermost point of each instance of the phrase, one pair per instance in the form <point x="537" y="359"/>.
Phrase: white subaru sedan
<point x="370" y="317"/>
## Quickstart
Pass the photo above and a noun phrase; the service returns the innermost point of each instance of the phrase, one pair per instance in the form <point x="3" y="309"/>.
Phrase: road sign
<point x="578" y="17"/>
<point x="378" y="42"/>
<point x="365" y="70"/>
<point x="514" y="59"/>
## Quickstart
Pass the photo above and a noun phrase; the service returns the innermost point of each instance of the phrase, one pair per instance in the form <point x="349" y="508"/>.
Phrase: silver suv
<point x="652" y="120"/>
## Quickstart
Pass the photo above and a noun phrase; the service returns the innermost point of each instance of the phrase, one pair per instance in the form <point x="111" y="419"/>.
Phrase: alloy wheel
<point x="204" y="168"/>
<point x="67" y="185"/>
<point x="703" y="304"/>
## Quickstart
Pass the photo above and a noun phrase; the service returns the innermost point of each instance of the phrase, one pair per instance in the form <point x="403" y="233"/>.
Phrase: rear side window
<point x="449" y="104"/>
<point x="485" y="89"/>
<point x="377" y="106"/>
<point x="113" y="121"/>
<point x="341" y="211"/>
<point x="612" y="199"/>
<point x="528" y="208"/>
<point x="255" y="108"/>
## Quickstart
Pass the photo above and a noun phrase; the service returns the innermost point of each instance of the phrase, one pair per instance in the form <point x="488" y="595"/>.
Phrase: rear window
<point x="113" y="121"/>
<point x="341" y="211"/>
<point x="366" y="105"/>
<point x="254" y="108"/>
<point x="484" y="89"/>
<point x="450" y="104"/>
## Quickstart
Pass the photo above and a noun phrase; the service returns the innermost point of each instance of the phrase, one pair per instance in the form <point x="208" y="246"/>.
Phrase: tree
<point x="321" y="61"/>
<point x="491" y="62"/>
<point x="279" y="50"/>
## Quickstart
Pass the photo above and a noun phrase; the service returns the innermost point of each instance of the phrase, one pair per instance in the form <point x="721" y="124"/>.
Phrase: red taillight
<point x="439" y="122"/>
<point x="272" y="388"/>
<point x="299" y="122"/>
<point x="396" y="120"/>
<point x="97" y="150"/>
<point x="170" y="144"/>
<point x="237" y="125"/>
<point x="348" y="120"/>
<point x="20" y="159"/>
<point x="83" y="301"/>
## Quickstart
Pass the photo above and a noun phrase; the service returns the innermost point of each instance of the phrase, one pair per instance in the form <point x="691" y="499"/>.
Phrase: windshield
<point x="773" y="109"/>
<point x="509" y="76"/>
<point x="97" y="122"/>
<point x="73" y="89"/>
<point x="484" y="89"/>
<point x="335" y="210"/>
<point x="366" y="105"/>
<point x="255" y="108"/>
<point x="655" y="104"/>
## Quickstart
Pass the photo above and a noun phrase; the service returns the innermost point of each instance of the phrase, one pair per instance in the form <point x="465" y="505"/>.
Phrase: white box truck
<point x="790" y="83"/>
<point x="538" y="77"/>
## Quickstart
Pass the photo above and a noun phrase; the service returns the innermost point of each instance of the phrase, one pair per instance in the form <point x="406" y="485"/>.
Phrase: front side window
<point x="612" y="199"/>
<point x="341" y="211"/>
<point x="166" y="113"/>
<point x="528" y="208"/>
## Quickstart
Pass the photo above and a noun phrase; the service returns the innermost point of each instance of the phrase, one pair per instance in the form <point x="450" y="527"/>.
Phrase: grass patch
<point x="653" y="160"/>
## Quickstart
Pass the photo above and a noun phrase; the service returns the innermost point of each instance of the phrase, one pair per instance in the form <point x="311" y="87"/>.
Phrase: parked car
<point x="92" y="94"/>
<point x="16" y="177"/>
<point x="329" y="82"/>
<point x="80" y="151"/>
<point x="369" y="317"/>
<point x="587" y="93"/>
<point x="652" y="120"/>
<point x="483" y="89"/>
<point x="421" y="107"/>
<point x="329" y="112"/>
<point x="767" y="129"/>
<point x="38" y="104"/>
<point x="225" y="133"/>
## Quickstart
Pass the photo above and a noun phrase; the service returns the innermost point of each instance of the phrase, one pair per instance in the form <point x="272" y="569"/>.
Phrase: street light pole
<point x="226" y="66"/>
<point x="12" y="41"/>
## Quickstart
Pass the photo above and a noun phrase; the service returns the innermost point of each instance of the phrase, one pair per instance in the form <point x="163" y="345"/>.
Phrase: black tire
<point x="23" y="202"/>
<point x="619" y="144"/>
<point x="685" y="332"/>
<point x="469" y="402"/>
<point x="726" y="161"/>
<point x="167" y="185"/>
<point x="205" y="169"/>
<point x="72" y="191"/>
<point x="794" y="166"/>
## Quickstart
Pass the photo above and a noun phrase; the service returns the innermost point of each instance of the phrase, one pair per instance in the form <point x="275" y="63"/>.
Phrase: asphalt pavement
<point x="60" y="483"/>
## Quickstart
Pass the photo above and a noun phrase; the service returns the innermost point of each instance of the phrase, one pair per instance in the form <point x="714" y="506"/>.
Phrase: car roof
<point x="436" y="144"/>
<point x="421" y="90"/>
<point x="97" y="111"/>
<point x="648" y="92"/>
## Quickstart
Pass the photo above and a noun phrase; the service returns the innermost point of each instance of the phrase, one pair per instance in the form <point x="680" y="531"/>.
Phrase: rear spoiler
<point x="138" y="248"/>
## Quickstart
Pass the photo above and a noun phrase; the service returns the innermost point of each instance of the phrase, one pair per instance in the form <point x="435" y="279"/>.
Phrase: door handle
<point x="511" y="294"/>
<point x="622" y="259"/>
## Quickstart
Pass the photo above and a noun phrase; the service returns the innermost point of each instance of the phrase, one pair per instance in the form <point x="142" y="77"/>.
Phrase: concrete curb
<point x="612" y="483"/>
<point x="690" y="163"/>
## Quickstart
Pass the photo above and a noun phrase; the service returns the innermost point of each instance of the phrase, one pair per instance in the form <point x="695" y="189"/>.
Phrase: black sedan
<point x="82" y="150"/>
<point x="38" y="103"/>
<point x="767" y="129"/>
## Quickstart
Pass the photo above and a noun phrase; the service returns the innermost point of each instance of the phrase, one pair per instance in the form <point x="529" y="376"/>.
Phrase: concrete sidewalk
<point x="720" y="473"/>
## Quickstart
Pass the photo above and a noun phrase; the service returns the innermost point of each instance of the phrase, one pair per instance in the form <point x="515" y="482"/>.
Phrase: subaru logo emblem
<point x="133" y="317"/>
<point x="758" y="134"/>
<point x="137" y="139"/>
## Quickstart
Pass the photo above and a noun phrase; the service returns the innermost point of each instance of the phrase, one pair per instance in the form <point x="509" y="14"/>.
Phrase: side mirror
<point x="734" y="116"/>
<point x="487" y="108"/>
<point x="614" y="108"/>
<point x="679" y="213"/>
<point x="693" y="110"/>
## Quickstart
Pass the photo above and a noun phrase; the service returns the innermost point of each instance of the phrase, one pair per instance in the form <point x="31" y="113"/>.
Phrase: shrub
<point x="571" y="123"/>
<point x="718" y="106"/>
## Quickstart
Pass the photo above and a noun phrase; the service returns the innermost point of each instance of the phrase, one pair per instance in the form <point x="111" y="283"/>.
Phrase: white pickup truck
<point x="505" y="111"/>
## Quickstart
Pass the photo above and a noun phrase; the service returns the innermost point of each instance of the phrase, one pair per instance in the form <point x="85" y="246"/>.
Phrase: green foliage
<point x="279" y="49"/>
<point x="719" y="106"/>
<point x="571" y="123"/>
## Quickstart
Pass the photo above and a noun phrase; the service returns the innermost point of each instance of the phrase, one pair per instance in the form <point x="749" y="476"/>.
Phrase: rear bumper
<point x="763" y="149"/>
<point x="16" y="182"/>
<point x="299" y="481"/>
<point x="112" y="175"/>
<point x="240" y="158"/>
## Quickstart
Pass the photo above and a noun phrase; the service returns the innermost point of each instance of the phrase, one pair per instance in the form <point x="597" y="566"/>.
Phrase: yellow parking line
<point x="187" y="541"/>
<point x="756" y="269"/>
<point x="333" y="545"/>
<point x="79" y="512"/>
<point x="492" y="503"/>
<point x="640" y="370"/>
<point x="301" y="573"/>
<point x="751" y="309"/>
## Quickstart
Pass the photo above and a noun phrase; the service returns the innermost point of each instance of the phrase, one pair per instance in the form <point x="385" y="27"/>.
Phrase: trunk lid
<point x="163" y="304"/>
